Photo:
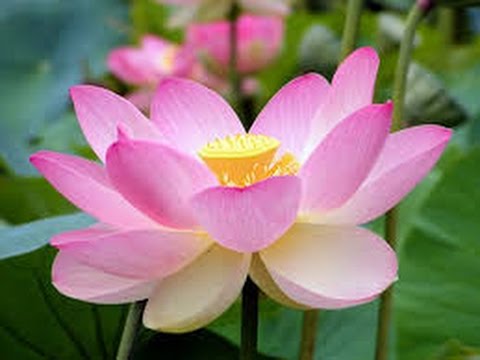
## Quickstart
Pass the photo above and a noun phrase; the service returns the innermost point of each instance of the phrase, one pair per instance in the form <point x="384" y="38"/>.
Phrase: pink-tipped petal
<point x="79" y="281"/>
<point x="407" y="157"/>
<point x="352" y="88"/>
<point x="86" y="184"/>
<point x="158" y="180"/>
<point x="196" y="295"/>
<point x="83" y="235"/>
<point x="138" y="254"/>
<point x="262" y="278"/>
<point x="309" y="299"/>
<point x="100" y="112"/>
<point x="190" y="115"/>
<point x="340" y="163"/>
<point x="331" y="267"/>
<point x="251" y="218"/>
<point x="289" y="114"/>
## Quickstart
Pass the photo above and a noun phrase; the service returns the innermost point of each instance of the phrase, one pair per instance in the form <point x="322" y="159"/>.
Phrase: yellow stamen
<point x="242" y="160"/>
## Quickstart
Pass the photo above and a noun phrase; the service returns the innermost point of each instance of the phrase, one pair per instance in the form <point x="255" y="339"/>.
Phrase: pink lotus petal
<point x="407" y="157"/>
<point x="251" y="218"/>
<point x="352" y="88"/>
<point x="309" y="299"/>
<point x="126" y="64"/>
<point x="79" y="281"/>
<point x="138" y="254"/>
<point x="158" y="180"/>
<point x="190" y="115"/>
<point x="289" y="114"/>
<point x="86" y="184"/>
<point x="100" y="112"/>
<point x="340" y="163"/>
<point x="262" y="278"/>
<point x="336" y="266"/>
<point x="83" y="235"/>
<point x="195" y="296"/>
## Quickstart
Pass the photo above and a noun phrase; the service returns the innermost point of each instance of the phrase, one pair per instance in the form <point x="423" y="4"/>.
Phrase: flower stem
<point x="309" y="333"/>
<point x="235" y="82"/>
<point x="386" y="301"/>
<point x="352" y="24"/>
<point x="416" y="14"/>
<point x="248" y="343"/>
<point x="404" y="58"/>
<point x="130" y="330"/>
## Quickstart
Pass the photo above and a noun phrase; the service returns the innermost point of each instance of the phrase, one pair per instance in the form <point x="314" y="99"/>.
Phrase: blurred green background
<point x="49" y="45"/>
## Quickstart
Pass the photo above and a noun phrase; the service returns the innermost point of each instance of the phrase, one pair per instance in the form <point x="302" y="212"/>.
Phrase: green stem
<point x="386" y="301"/>
<point x="352" y="25"/>
<point x="309" y="334"/>
<point x="130" y="330"/>
<point x="235" y="81"/>
<point x="248" y="342"/>
<point x="404" y="58"/>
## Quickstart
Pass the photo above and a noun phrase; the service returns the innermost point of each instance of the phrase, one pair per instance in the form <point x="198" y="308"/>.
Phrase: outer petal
<point x="158" y="180"/>
<point x="86" y="184"/>
<point x="352" y="88"/>
<point x="260" y="275"/>
<point x="100" y="112"/>
<point x="407" y="157"/>
<point x="336" y="266"/>
<point x="344" y="158"/>
<point x="190" y="115"/>
<point x="139" y="254"/>
<point x="251" y="218"/>
<point x="77" y="280"/>
<point x="289" y="114"/>
<point x="198" y="294"/>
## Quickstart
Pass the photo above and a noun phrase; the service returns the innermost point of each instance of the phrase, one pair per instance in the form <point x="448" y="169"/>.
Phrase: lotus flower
<point x="211" y="10"/>
<point x="149" y="63"/>
<point x="259" y="42"/>
<point x="188" y="204"/>
<point x="146" y="65"/>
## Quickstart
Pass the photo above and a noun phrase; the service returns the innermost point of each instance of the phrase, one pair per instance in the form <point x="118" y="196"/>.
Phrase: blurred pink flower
<point x="259" y="42"/>
<point x="147" y="64"/>
<point x="211" y="10"/>
<point x="188" y="204"/>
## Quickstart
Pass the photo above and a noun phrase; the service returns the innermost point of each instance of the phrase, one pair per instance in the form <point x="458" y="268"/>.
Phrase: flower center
<point x="166" y="61"/>
<point x="242" y="160"/>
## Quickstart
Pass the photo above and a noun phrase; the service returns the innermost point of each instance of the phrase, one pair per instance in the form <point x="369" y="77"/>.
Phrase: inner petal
<point x="244" y="159"/>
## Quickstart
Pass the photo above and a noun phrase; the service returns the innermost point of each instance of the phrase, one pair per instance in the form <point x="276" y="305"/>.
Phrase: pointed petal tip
<point x="367" y="52"/>
<point x="77" y="91"/>
<point x="124" y="133"/>
<point x="37" y="158"/>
